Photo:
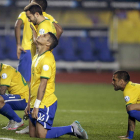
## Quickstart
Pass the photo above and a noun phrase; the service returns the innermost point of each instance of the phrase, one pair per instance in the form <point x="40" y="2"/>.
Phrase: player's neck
<point x="40" y="19"/>
<point x="44" y="49"/>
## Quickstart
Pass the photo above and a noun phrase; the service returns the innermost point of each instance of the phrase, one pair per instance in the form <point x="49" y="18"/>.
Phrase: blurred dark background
<point x="98" y="34"/>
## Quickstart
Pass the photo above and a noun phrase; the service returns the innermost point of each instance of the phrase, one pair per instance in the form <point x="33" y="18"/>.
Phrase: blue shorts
<point x="25" y="63"/>
<point x="45" y="116"/>
<point x="14" y="101"/>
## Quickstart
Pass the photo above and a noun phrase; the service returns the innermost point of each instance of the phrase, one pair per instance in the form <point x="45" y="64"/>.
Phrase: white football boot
<point x="23" y="131"/>
<point x="79" y="131"/>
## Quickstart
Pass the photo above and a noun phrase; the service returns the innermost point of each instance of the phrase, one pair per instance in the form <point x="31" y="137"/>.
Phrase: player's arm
<point x="17" y="36"/>
<point x="34" y="34"/>
<point x="40" y="94"/>
<point x="131" y="128"/>
<point x="59" y="30"/>
<point x="3" y="89"/>
<point x="27" y="109"/>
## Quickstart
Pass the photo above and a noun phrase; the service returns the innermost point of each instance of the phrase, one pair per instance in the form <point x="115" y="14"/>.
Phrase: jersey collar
<point x="43" y="53"/>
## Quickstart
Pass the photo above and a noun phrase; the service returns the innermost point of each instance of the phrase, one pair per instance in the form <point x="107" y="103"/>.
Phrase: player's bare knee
<point x="32" y="135"/>
<point x="129" y="108"/>
<point x="40" y="135"/>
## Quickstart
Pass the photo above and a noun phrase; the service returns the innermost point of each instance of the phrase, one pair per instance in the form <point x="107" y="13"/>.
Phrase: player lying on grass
<point x="12" y="80"/>
<point x="131" y="92"/>
<point x="42" y="103"/>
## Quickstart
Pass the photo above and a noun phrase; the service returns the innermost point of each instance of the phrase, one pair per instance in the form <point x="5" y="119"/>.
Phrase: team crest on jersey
<point x="41" y="31"/>
<point x="45" y="67"/>
<point x="127" y="98"/>
<point x="4" y="76"/>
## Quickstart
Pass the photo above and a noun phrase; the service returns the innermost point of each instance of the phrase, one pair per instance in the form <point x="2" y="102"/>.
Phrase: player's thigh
<point x="32" y="128"/>
<point x="41" y="132"/>
<point x="15" y="101"/>
<point x="133" y="107"/>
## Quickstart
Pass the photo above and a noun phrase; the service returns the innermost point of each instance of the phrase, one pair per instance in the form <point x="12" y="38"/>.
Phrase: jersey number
<point x="24" y="83"/>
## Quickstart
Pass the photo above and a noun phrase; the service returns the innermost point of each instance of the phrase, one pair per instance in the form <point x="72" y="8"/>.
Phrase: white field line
<point x="90" y="111"/>
<point x="6" y="139"/>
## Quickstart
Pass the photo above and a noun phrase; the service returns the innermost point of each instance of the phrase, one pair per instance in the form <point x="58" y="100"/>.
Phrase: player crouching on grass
<point x="42" y="103"/>
<point x="12" y="80"/>
<point x="131" y="92"/>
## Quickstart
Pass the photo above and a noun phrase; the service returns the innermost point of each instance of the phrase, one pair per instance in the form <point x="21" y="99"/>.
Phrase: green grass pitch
<point x="99" y="109"/>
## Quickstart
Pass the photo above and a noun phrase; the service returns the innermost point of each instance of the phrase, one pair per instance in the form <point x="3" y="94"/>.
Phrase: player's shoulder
<point x="49" y="17"/>
<point x="48" y="56"/>
<point x="7" y="69"/>
<point x="5" y="66"/>
<point x="22" y="14"/>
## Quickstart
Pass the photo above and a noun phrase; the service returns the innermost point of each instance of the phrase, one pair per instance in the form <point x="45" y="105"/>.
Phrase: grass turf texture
<point x="99" y="109"/>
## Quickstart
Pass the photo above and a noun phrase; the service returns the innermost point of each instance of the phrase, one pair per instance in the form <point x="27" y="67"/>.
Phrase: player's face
<point x="43" y="39"/>
<point x="116" y="83"/>
<point x="31" y="18"/>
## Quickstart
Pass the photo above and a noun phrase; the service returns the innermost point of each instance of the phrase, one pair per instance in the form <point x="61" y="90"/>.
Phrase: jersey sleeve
<point x="22" y="16"/>
<point x="6" y="77"/>
<point x="46" y="70"/>
<point x="130" y="97"/>
<point x="51" y="18"/>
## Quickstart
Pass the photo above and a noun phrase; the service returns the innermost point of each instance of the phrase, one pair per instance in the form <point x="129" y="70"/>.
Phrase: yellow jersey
<point x="131" y="93"/>
<point x="43" y="66"/>
<point x="15" y="82"/>
<point x="27" y="32"/>
<point x="45" y="26"/>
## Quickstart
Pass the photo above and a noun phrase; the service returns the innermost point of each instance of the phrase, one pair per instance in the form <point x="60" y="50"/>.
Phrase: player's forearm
<point x="41" y="89"/>
<point x="41" y="92"/>
<point x="17" y="35"/>
<point x="34" y="35"/>
<point x="131" y="128"/>
<point x="131" y="124"/>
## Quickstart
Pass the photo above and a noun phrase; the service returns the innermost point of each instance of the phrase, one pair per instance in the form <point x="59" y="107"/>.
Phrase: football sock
<point x="135" y="114"/>
<point x="56" y="132"/>
<point x="7" y="111"/>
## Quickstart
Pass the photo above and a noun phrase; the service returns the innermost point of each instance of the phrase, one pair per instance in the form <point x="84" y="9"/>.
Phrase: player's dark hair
<point x="123" y="75"/>
<point x="42" y="3"/>
<point x="33" y="9"/>
<point x="53" y="40"/>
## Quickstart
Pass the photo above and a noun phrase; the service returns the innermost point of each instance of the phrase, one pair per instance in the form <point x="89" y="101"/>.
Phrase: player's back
<point x="132" y="92"/>
<point x="14" y="81"/>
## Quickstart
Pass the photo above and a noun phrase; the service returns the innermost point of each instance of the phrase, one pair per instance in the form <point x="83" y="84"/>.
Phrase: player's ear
<point x="48" y="43"/>
<point x="37" y="14"/>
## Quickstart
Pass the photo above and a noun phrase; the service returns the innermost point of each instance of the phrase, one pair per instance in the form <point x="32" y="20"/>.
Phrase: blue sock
<point x="56" y="132"/>
<point x="135" y="114"/>
<point x="9" y="113"/>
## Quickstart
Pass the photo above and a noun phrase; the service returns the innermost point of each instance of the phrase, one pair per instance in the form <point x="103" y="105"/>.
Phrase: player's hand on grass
<point x="123" y="137"/>
<point x="19" y="50"/>
<point x="35" y="113"/>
